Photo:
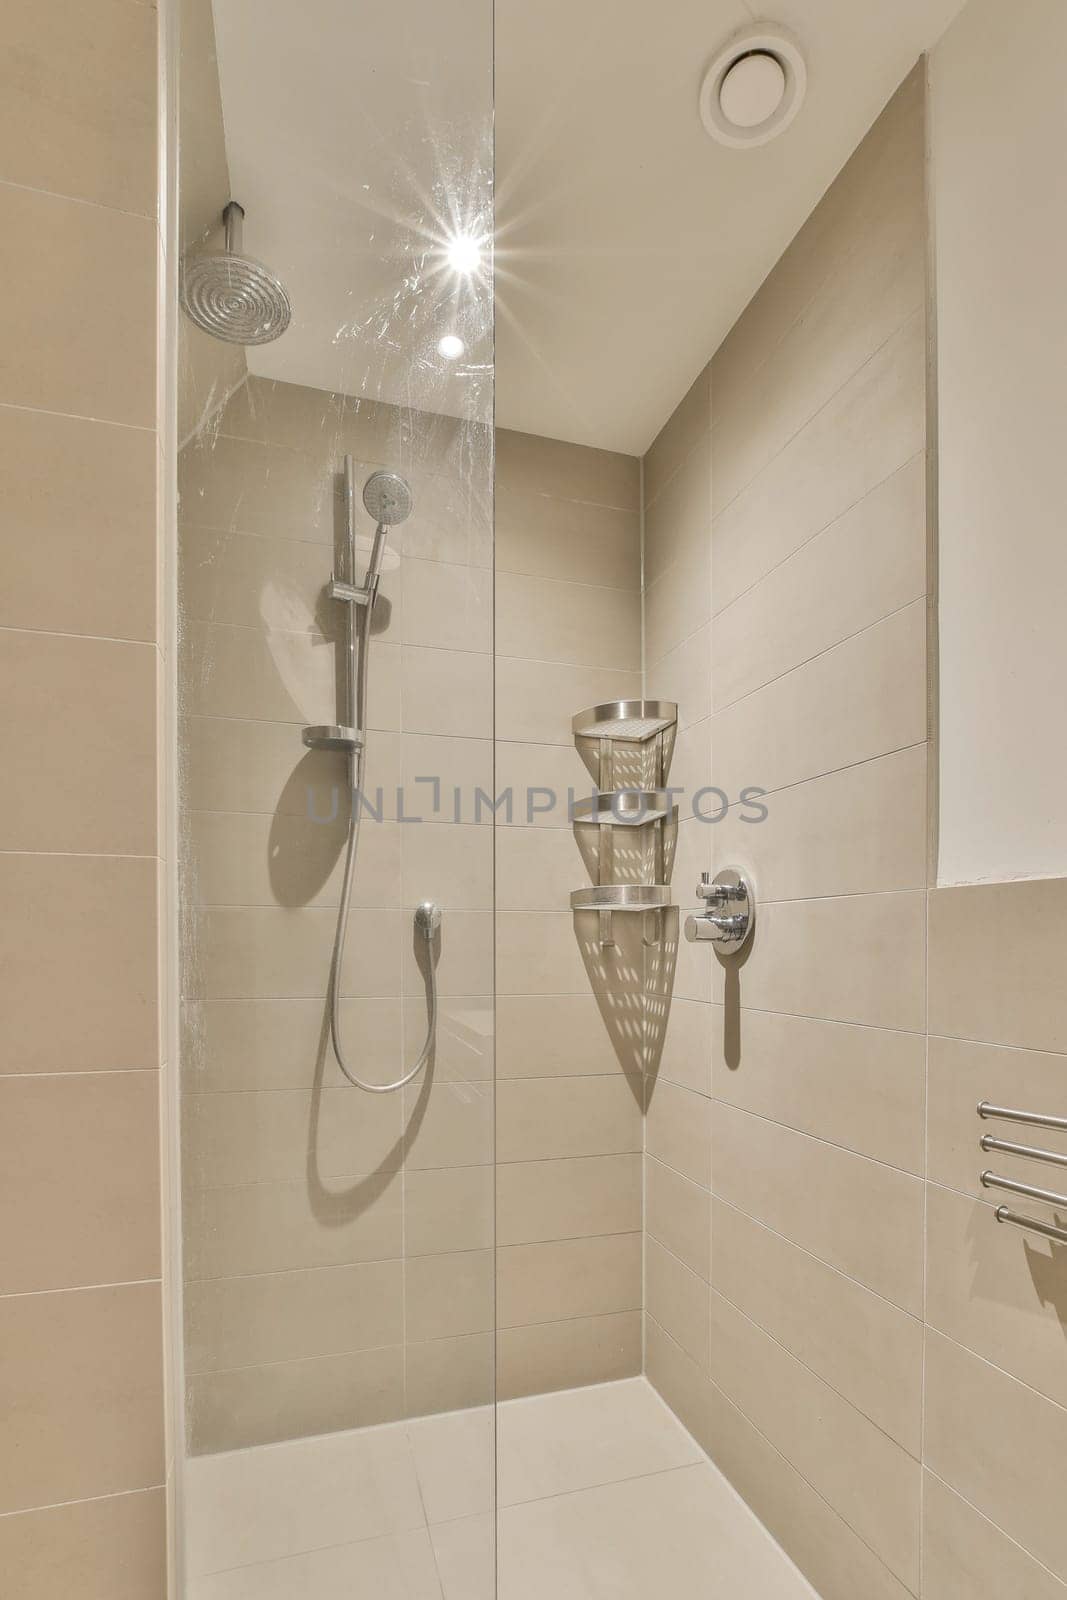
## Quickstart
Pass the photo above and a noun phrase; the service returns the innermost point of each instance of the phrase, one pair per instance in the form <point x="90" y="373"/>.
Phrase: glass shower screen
<point x="335" y="728"/>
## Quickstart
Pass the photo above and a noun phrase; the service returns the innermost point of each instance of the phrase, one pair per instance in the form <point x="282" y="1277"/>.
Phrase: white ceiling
<point x="627" y="240"/>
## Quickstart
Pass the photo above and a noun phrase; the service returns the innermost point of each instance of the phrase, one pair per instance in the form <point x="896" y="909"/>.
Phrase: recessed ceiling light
<point x="753" y="88"/>
<point x="451" y="347"/>
<point x="464" y="253"/>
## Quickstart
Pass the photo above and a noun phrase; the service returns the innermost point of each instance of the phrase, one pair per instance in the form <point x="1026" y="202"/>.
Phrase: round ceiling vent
<point x="753" y="88"/>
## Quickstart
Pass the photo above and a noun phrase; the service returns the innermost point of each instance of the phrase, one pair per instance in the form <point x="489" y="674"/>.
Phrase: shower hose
<point x="423" y="922"/>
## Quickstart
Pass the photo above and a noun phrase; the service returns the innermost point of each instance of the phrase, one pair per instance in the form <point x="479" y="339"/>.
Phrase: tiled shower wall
<point x="569" y="1134"/>
<point x="82" y="1453"/>
<point x="830" y="1306"/>
<point x="339" y="1246"/>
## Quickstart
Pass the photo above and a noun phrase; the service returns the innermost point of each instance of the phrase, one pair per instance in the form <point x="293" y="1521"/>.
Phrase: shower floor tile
<point x="602" y="1496"/>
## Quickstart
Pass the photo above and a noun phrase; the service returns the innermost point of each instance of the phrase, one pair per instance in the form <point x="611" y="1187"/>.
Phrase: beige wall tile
<point x="275" y="1136"/>
<point x="964" y="1554"/>
<point x="883" y="159"/>
<point x="826" y="1549"/>
<point x="1008" y="990"/>
<point x="678" y="1130"/>
<point x="682" y="1054"/>
<point x="872" y="425"/>
<point x="960" y="1075"/>
<point x="867" y="564"/>
<point x="542" y="1119"/>
<point x="678" y="603"/>
<point x="856" y="831"/>
<point x="567" y="1355"/>
<point x="449" y="1295"/>
<point x="448" y="1124"/>
<point x="86" y="930"/>
<point x="82" y="1391"/>
<point x="536" y="868"/>
<point x="679" y="1380"/>
<point x="56" y="358"/>
<point x="677" y="1299"/>
<point x="875" y="977"/>
<point x="997" y="1291"/>
<point x="999" y="1445"/>
<point x="287" y="1316"/>
<point x="868" y="293"/>
<point x="684" y="676"/>
<point x="558" y="1035"/>
<point x="251" y="859"/>
<point x="678" y="516"/>
<point x="81" y="496"/>
<point x="229" y="764"/>
<point x="274" y="676"/>
<point x="536" y="700"/>
<point x="447" y="692"/>
<point x="568" y="1278"/>
<point x="291" y="1399"/>
<point x="577" y="1197"/>
<point x="449" y="1374"/>
<point x="79" y="1182"/>
<point x="447" y="862"/>
<point x="542" y="779"/>
<point x="275" y="1044"/>
<point x="546" y="537"/>
<point x="465" y="1048"/>
<point x="256" y="580"/>
<point x="534" y="465"/>
<point x="464" y="956"/>
<point x="678" y="1214"/>
<point x="858" y="1343"/>
<point x="861" y="699"/>
<point x="107" y="1549"/>
<point x="690" y="419"/>
<point x="256" y="952"/>
<point x="243" y="486"/>
<point x="452" y="762"/>
<point x="857" y="1087"/>
<point x="448" y="1209"/>
<point x="78" y="748"/>
<point x="537" y="953"/>
<point x="858" y="1216"/>
<point x="276" y="1227"/>
<point x="447" y="606"/>
<point x="868" y="1479"/>
<point x="582" y="624"/>
<point x="92" y="133"/>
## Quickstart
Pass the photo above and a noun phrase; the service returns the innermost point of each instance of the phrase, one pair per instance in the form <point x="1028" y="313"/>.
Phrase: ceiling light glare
<point x="464" y="254"/>
<point x="451" y="347"/>
<point x="754" y="87"/>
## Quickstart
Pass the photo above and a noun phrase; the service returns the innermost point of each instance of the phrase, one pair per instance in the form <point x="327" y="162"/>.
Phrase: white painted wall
<point x="999" y="151"/>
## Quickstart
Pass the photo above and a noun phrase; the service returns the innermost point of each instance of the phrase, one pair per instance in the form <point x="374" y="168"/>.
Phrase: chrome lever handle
<point x="729" y="930"/>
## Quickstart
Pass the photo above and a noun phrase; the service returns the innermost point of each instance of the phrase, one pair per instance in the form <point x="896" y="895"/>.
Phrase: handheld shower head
<point x="230" y="295"/>
<point x="387" y="498"/>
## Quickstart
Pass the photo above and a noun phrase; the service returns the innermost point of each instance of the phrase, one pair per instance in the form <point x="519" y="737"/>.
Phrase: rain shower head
<point x="387" y="498"/>
<point x="230" y="295"/>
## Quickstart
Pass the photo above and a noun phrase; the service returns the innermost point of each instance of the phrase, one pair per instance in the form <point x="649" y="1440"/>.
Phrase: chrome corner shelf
<point x="623" y="808"/>
<point x="622" y="897"/>
<point x="632" y="721"/>
<point x="628" y="722"/>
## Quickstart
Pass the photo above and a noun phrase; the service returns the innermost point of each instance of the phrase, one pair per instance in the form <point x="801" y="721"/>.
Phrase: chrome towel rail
<point x="1005" y="1147"/>
<point x="1002" y="1214"/>
<point x="1048" y="1197"/>
<point x="1036" y="1119"/>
